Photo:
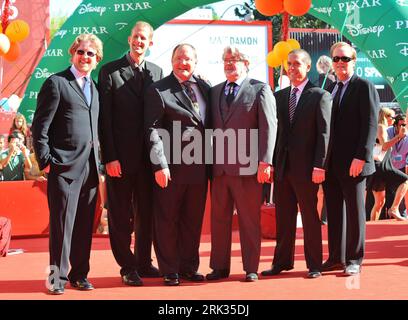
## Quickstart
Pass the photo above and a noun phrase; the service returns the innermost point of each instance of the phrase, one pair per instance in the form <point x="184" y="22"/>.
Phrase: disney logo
<point x="358" y="30"/>
<point x="326" y="10"/>
<point x="404" y="50"/>
<point x="61" y="33"/>
<point x="402" y="3"/>
<point x="89" y="9"/>
<point x="42" y="73"/>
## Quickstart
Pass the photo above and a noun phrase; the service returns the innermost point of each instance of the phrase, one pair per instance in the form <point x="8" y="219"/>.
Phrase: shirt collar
<point x="192" y="79"/>
<point x="346" y="81"/>
<point x="133" y="64"/>
<point x="238" y="82"/>
<point x="300" y="87"/>
<point x="77" y="74"/>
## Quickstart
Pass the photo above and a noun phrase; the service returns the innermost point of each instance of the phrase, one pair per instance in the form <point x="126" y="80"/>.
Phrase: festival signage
<point x="377" y="27"/>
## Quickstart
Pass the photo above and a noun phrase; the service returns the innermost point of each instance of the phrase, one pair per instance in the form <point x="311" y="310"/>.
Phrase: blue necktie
<point x="87" y="90"/>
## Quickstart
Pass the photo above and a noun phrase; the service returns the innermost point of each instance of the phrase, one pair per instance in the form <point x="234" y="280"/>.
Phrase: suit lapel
<point x="284" y="106"/>
<point x="74" y="85"/>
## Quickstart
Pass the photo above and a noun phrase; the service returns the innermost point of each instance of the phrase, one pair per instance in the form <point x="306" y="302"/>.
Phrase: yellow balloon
<point x="1" y="28"/>
<point x="282" y="48"/>
<point x="18" y="30"/>
<point x="4" y="44"/>
<point x="273" y="60"/>
<point x="293" y="43"/>
<point x="285" y="65"/>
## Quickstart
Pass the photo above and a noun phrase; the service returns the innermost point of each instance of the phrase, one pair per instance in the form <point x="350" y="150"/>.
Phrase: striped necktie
<point x="292" y="103"/>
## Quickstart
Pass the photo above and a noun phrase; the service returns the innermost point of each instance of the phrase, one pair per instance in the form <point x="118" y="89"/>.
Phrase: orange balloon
<point x="17" y="30"/>
<point x="269" y="7"/>
<point x="282" y="48"/>
<point x="4" y="44"/>
<point x="13" y="53"/>
<point x="294" y="44"/>
<point x="297" y="7"/>
<point x="273" y="60"/>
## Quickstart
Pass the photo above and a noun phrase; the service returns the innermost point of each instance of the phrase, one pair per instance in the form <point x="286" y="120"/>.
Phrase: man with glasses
<point x="244" y="111"/>
<point x="122" y="84"/>
<point x="399" y="157"/>
<point x="65" y="140"/>
<point x="176" y="116"/>
<point x="350" y="160"/>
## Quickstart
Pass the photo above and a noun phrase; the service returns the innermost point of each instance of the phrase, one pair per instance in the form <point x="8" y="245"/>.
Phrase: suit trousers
<point x="346" y="228"/>
<point x="72" y="210"/>
<point x="246" y="194"/>
<point x="178" y="218"/>
<point x="289" y="192"/>
<point x="130" y="210"/>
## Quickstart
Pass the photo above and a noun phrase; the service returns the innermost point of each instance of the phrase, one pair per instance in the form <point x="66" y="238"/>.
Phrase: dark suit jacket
<point x="64" y="126"/>
<point x="253" y="108"/>
<point x="302" y="145"/>
<point x="121" y="119"/>
<point x="168" y="107"/>
<point x="354" y="127"/>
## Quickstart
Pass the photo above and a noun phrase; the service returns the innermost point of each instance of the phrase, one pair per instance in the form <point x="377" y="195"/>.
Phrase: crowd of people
<point x="134" y="128"/>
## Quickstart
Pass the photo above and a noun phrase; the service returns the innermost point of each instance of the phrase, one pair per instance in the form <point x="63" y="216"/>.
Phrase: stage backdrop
<point x="377" y="27"/>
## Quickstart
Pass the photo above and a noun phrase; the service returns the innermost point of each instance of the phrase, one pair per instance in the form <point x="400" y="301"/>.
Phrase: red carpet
<point x="384" y="274"/>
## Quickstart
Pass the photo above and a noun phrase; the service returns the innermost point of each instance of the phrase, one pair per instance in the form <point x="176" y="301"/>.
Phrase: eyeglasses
<point x="88" y="53"/>
<point x="343" y="58"/>
<point x="232" y="61"/>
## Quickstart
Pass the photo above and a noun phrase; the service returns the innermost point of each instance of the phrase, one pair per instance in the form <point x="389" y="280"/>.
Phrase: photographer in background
<point x="15" y="161"/>
<point x="399" y="155"/>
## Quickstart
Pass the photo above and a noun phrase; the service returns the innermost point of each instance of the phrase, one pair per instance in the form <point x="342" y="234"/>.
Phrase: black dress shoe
<point x="82" y="284"/>
<point x="314" y="274"/>
<point x="56" y="291"/>
<point x="149" y="272"/>
<point x="132" y="279"/>
<point x="171" y="279"/>
<point x="218" y="274"/>
<point x="192" y="276"/>
<point x="251" y="277"/>
<point x="332" y="266"/>
<point x="275" y="271"/>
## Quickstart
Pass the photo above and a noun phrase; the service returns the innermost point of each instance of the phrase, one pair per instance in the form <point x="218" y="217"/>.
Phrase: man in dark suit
<point x="65" y="139"/>
<point x="176" y="115"/>
<point x="244" y="119"/>
<point x="299" y="164"/>
<point x="122" y="84"/>
<point x="350" y="160"/>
